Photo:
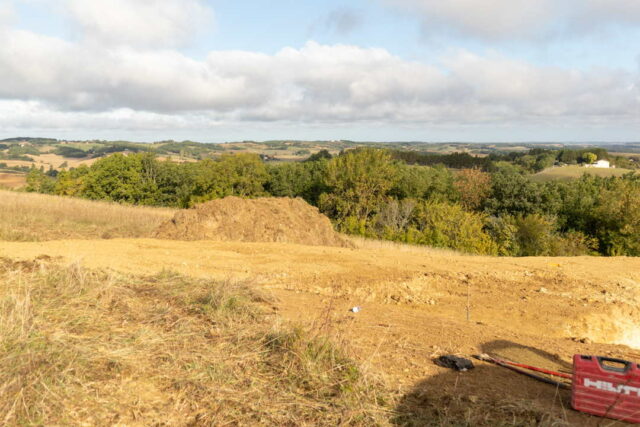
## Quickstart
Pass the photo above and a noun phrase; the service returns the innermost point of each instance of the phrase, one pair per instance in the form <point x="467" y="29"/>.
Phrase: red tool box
<point x="606" y="387"/>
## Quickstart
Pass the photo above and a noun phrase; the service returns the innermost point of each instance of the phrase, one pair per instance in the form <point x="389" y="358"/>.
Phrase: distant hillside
<point x="275" y="150"/>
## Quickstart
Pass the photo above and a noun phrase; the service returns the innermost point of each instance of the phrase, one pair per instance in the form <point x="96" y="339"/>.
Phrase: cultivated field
<point x="565" y="173"/>
<point x="12" y="180"/>
<point x="130" y="330"/>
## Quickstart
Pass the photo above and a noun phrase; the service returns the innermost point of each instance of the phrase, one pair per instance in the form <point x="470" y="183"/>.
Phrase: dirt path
<point x="414" y="304"/>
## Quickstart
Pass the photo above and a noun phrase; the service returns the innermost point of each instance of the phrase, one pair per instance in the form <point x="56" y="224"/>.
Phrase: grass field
<point x="37" y="217"/>
<point x="82" y="347"/>
<point x="566" y="173"/>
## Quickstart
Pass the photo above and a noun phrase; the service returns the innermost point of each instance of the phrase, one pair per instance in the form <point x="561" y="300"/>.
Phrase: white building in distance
<point x="603" y="164"/>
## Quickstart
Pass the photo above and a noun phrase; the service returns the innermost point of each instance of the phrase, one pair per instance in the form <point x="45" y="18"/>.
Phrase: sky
<point x="365" y="70"/>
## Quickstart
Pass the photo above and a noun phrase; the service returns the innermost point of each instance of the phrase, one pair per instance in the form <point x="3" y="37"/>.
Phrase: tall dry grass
<point x="374" y="244"/>
<point x="39" y="217"/>
<point x="86" y="347"/>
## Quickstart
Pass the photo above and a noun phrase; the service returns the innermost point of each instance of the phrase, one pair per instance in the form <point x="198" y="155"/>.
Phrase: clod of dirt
<point x="270" y="219"/>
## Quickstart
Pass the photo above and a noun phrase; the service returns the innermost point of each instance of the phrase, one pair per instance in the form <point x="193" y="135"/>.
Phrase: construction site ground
<point x="416" y="304"/>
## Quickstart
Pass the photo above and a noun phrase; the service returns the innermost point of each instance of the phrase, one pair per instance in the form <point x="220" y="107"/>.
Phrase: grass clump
<point x="313" y="368"/>
<point x="84" y="347"/>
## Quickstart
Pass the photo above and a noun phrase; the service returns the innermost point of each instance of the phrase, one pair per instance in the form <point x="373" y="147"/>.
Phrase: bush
<point x="358" y="183"/>
<point x="447" y="225"/>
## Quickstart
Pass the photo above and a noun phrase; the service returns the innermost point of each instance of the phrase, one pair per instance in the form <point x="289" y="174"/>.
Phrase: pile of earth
<point x="270" y="219"/>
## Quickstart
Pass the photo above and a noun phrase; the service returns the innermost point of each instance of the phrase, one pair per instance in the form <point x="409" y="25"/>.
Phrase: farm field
<point x="12" y="180"/>
<point x="416" y="304"/>
<point x="566" y="173"/>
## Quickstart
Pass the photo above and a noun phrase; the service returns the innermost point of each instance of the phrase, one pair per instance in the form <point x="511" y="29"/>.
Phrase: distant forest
<point x="479" y="205"/>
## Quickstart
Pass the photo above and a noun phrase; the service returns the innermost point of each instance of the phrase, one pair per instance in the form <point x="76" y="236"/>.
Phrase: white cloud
<point x="140" y="22"/>
<point x="7" y="12"/>
<point x="50" y="81"/>
<point x="521" y="19"/>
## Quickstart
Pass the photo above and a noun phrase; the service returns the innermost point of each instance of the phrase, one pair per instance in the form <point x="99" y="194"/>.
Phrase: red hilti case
<point x="606" y="387"/>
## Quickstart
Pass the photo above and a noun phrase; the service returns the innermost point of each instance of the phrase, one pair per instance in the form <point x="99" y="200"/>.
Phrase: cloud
<point x="520" y="19"/>
<point x="51" y="82"/>
<point x="7" y="12"/>
<point x="343" y="21"/>
<point x="140" y="22"/>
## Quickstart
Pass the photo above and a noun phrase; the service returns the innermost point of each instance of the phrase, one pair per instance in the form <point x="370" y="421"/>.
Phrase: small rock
<point x="543" y="290"/>
<point x="355" y="309"/>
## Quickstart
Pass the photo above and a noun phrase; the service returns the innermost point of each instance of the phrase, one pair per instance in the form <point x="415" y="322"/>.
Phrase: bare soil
<point x="416" y="304"/>
<point x="269" y="219"/>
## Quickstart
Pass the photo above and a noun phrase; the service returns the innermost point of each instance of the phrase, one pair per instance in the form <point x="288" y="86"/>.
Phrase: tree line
<point x="371" y="192"/>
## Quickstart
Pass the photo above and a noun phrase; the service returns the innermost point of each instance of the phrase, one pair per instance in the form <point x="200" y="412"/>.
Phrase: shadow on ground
<point x="490" y="395"/>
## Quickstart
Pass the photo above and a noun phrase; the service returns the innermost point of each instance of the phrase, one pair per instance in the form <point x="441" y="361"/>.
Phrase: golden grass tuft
<point x="83" y="347"/>
<point x="39" y="217"/>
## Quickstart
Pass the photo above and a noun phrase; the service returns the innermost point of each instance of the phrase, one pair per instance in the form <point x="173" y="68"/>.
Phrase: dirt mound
<point x="259" y="220"/>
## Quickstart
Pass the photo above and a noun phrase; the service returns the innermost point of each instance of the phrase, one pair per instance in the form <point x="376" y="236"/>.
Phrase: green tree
<point x="71" y="182"/>
<point x="320" y="155"/>
<point x="304" y="180"/>
<point x="513" y="193"/>
<point x="242" y="175"/>
<point x="424" y="182"/>
<point x="359" y="182"/>
<point x="39" y="182"/>
<point x="589" y="158"/>
<point x="618" y="216"/>
<point x="447" y="225"/>
<point x="535" y="234"/>
<point x="503" y="232"/>
<point x="121" y="178"/>
<point x="245" y="172"/>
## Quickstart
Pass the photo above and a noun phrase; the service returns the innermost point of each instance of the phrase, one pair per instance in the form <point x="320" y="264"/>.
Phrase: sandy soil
<point x="416" y="304"/>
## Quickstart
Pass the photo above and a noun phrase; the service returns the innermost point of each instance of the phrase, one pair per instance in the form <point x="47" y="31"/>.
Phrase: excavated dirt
<point x="281" y="220"/>
<point x="416" y="304"/>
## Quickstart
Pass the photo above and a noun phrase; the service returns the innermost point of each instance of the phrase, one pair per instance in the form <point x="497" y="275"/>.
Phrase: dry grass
<point x="373" y="244"/>
<point x="39" y="217"/>
<point x="91" y="348"/>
